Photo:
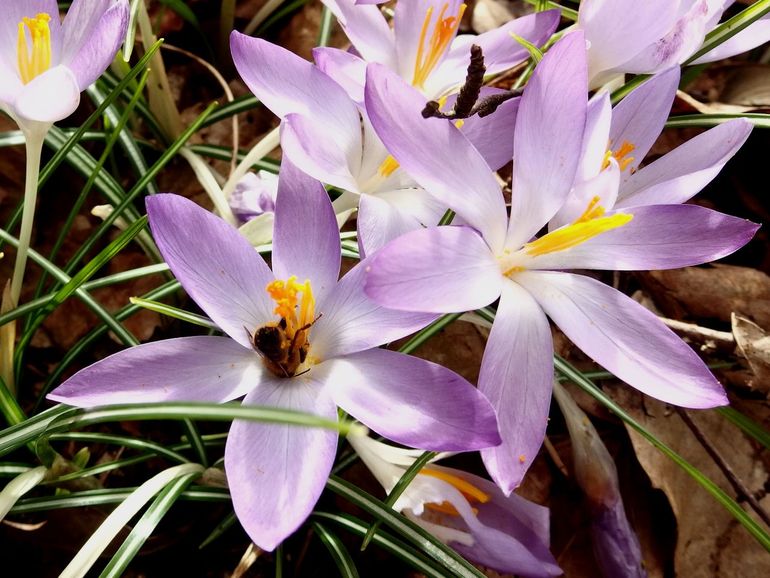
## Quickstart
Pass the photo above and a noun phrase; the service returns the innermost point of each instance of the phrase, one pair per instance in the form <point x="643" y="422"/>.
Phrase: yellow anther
<point x="593" y="211"/>
<point x="34" y="60"/>
<point x="429" y="52"/>
<point x="285" y="294"/>
<point x="442" y="101"/>
<point x="459" y="123"/>
<point x="575" y="234"/>
<point x="471" y="492"/>
<point x="388" y="166"/>
<point x="621" y="156"/>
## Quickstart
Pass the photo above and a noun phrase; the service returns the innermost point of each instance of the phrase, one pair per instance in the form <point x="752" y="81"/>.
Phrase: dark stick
<point x="739" y="487"/>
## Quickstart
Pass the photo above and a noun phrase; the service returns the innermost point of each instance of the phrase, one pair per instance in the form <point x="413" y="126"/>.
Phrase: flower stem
<point x="34" y="145"/>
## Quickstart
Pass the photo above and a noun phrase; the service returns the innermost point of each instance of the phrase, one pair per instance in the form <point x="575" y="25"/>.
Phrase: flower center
<point x="284" y="344"/>
<point x="429" y="51"/>
<point x="470" y="492"/>
<point x="588" y="225"/>
<point x="620" y="155"/>
<point x="34" y="60"/>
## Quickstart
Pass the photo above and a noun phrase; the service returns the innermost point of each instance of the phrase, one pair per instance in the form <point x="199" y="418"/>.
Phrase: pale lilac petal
<point x="435" y="153"/>
<point x="484" y="133"/>
<point x="500" y="50"/>
<point x="211" y="369"/>
<point x="440" y="269"/>
<point x="658" y="237"/>
<point x="639" y="118"/>
<point x="306" y="239"/>
<point x="379" y="222"/>
<point x="625" y="338"/>
<point x="596" y="136"/>
<point x="517" y="378"/>
<point x="215" y="264"/>
<point x="604" y="186"/>
<point x="93" y="30"/>
<point x="684" y="38"/>
<point x="619" y="29"/>
<point x="409" y="400"/>
<point x="276" y="472"/>
<point x="351" y="322"/>
<point x="549" y="129"/>
<point x="288" y="84"/>
<point x="682" y="173"/>
<point x="367" y="30"/>
<point x="408" y="23"/>
<point x="49" y="97"/>
<point x="750" y="37"/>
<point x="330" y="156"/>
<point x="347" y="70"/>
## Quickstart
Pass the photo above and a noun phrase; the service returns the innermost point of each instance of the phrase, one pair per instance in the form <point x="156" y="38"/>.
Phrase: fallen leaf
<point x="754" y="343"/>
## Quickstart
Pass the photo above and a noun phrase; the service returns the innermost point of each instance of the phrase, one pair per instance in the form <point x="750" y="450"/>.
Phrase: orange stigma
<point x="34" y="60"/>
<point x="620" y="155"/>
<point x="388" y="166"/>
<point x="470" y="492"/>
<point x="430" y="51"/>
<point x="285" y="294"/>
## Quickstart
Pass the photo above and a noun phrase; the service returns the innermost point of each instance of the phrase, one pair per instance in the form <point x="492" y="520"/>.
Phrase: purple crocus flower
<point x="307" y="345"/>
<point x="612" y="172"/>
<point x="506" y="533"/>
<point x="329" y="136"/>
<point x="45" y="64"/>
<point x="254" y="196"/>
<point x="423" y="46"/>
<point x="651" y="36"/>
<point x="454" y="269"/>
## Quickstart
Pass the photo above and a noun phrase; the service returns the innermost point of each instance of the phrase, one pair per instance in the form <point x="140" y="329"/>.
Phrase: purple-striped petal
<point x="212" y="369"/>
<point x="214" y="263"/>
<point x="276" y="472"/>
<point x="93" y="30"/>
<point x="625" y="338"/>
<point x="435" y="153"/>
<point x="351" y="322"/>
<point x="440" y="269"/>
<point x="548" y="138"/>
<point x="517" y="377"/>
<point x="639" y="118"/>
<point x="658" y="237"/>
<point x="13" y="13"/>
<point x="306" y="240"/>
<point x="411" y="401"/>
<point x="679" y="175"/>
<point x="750" y="37"/>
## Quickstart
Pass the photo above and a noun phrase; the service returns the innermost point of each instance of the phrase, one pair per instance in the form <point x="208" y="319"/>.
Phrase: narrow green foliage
<point x="340" y="554"/>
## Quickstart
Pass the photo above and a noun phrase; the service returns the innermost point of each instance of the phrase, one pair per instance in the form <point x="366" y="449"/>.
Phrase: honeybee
<point x="282" y="354"/>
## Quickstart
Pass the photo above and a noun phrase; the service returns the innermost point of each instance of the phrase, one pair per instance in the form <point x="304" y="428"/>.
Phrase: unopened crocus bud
<point x="616" y="546"/>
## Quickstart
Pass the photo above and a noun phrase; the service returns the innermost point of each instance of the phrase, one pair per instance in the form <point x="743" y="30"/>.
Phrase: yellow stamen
<point x="35" y="60"/>
<point x="285" y="294"/>
<point x="443" y="32"/>
<point x="471" y="492"/>
<point x="459" y="123"/>
<point x="442" y="101"/>
<point x="593" y="211"/>
<point x="575" y="234"/>
<point x="388" y="166"/>
<point x="621" y="156"/>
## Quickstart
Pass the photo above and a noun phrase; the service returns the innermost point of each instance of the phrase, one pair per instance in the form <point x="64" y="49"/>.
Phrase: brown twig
<point x="740" y="488"/>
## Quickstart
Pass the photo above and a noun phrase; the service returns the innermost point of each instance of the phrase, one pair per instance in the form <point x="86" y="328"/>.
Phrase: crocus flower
<point x="254" y="196"/>
<point x="507" y="534"/>
<point x="423" y="46"/>
<point x="306" y="345"/>
<point x="327" y="135"/>
<point x="617" y="140"/>
<point x="627" y="36"/>
<point x="45" y="64"/>
<point x="454" y="269"/>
